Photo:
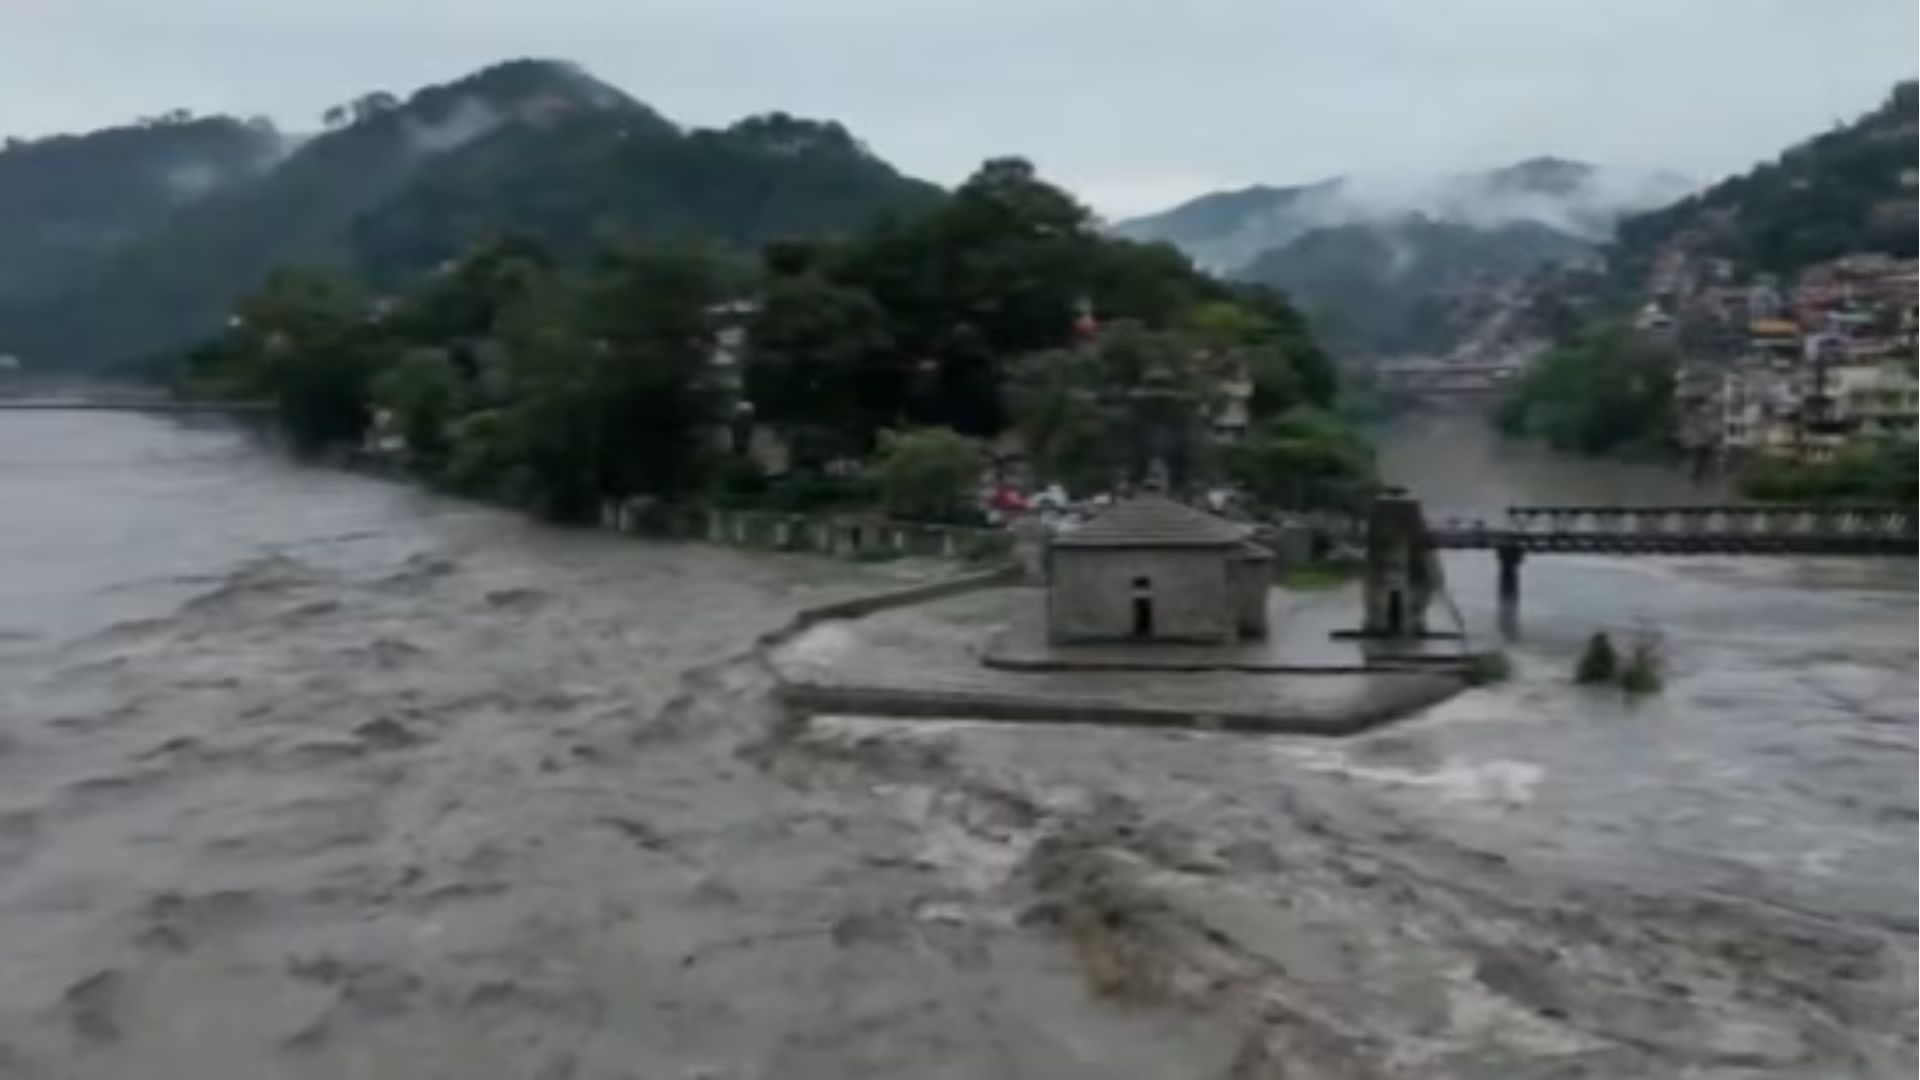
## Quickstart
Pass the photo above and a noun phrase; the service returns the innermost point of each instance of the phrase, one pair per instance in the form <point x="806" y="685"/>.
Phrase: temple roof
<point x="1154" y="521"/>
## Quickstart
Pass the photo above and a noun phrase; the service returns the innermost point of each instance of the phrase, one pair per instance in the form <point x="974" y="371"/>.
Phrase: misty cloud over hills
<point x="1225" y="231"/>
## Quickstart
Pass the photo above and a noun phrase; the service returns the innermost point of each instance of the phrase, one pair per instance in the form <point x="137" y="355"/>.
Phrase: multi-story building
<point x="1875" y="396"/>
<point x="1231" y="410"/>
<point x="1794" y="370"/>
<point x="1757" y="405"/>
<point x="1799" y="397"/>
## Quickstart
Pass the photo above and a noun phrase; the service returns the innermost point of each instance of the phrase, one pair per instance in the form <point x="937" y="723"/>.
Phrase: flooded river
<point x="1458" y="466"/>
<point x="311" y="775"/>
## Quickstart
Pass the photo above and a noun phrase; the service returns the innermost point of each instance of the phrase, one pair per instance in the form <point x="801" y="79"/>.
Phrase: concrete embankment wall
<point x="951" y="704"/>
<point x="845" y="536"/>
<point x="860" y="607"/>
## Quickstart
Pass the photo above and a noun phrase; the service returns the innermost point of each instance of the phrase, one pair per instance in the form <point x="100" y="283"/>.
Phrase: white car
<point x="1052" y="497"/>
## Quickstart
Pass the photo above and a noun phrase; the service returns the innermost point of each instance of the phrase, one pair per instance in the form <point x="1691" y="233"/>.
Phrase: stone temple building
<point x="1149" y="569"/>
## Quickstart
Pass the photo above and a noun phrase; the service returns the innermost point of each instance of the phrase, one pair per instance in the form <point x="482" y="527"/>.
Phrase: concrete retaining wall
<point x="892" y="702"/>
<point x="846" y="536"/>
<point x="861" y="606"/>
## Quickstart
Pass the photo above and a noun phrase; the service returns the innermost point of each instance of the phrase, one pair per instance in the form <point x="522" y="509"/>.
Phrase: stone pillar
<point x="1402" y="572"/>
<point x="1031" y="543"/>
<point x="1510" y="560"/>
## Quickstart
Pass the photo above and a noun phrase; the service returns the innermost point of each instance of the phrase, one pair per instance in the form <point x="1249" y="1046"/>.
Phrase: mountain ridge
<point x="393" y="187"/>
<point x="66" y="199"/>
<point x="1393" y="266"/>
<point x="1227" y="230"/>
<point x="1851" y="188"/>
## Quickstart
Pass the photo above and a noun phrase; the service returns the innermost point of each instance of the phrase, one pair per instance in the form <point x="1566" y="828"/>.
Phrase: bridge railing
<point x="1775" y="521"/>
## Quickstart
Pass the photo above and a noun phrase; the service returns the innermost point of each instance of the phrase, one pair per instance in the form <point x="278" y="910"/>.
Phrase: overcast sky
<point x="1135" y="104"/>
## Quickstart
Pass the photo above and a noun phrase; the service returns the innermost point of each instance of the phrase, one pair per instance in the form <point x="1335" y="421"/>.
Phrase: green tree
<point x="304" y="339"/>
<point x="998" y="270"/>
<point x="552" y="443"/>
<point x="484" y="456"/>
<point x="1304" y="459"/>
<point x="1644" y="670"/>
<point x="423" y="392"/>
<point x="1069" y="427"/>
<point x="1865" y="470"/>
<point x="611" y="383"/>
<point x="1110" y="409"/>
<point x="927" y="474"/>
<point x="1004" y="268"/>
<point x="821" y="367"/>
<point x="1599" y="663"/>
<point x="1286" y="367"/>
<point x="1607" y="390"/>
<point x="1271" y="324"/>
<point x="649" y="312"/>
<point x="468" y="300"/>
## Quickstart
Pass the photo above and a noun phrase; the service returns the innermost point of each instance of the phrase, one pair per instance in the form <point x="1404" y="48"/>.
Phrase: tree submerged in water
<point x="1599" y="664"/>
<point x="1642" y="673"/>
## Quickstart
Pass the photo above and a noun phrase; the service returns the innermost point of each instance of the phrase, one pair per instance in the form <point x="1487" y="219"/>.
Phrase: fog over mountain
<point x="1130" y="104"/>
<point x="1225" y="231"/>
<point x="138" y="239"/>
<point x="1393" y="263"/>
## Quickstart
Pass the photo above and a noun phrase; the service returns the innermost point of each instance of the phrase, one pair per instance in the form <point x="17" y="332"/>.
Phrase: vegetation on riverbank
<point x="1320" y="576"/>
<point x="1605" y="390"/>
<point x="515" y="374"/>
<point x="1876" y="471"/>
<point x="1609" y="391"/>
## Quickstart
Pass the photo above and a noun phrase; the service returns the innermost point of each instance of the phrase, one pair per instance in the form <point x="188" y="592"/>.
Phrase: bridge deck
<point x="1692" y="530"/>
<point x="1654" y="544"/>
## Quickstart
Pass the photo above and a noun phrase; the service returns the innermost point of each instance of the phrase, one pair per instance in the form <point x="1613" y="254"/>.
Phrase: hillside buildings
<point x="1792" y="369"/>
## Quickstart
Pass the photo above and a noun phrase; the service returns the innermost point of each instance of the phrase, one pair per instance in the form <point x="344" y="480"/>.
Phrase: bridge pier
<point x="1510" y="577"/>
<point x="1402" y="573"/>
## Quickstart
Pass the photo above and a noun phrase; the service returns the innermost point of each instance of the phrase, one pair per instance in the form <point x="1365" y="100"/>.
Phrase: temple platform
<point x="1308" y="632"/>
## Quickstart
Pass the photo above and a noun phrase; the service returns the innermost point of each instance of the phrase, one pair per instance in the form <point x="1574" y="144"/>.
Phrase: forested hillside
<point x="1398" y="287"/>
<point x="67" y="200"/>
<point x="395" y="187"/>
<point x="590" y="176"/>
<point x="1851" y="189"/>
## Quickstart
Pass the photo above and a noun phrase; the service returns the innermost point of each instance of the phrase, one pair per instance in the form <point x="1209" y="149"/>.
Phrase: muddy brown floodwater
<point x="308" y="775"/>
